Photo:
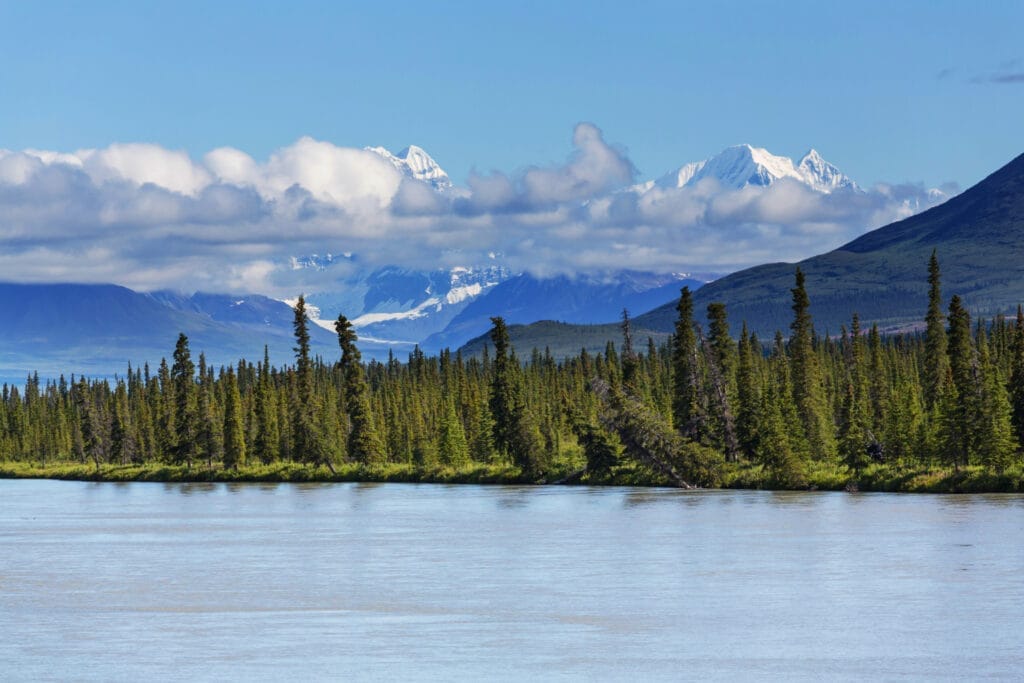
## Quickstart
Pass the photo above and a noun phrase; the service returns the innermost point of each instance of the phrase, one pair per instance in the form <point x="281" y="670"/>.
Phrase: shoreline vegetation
<point x="752" y="477"/>
<point x="935" y="411"/>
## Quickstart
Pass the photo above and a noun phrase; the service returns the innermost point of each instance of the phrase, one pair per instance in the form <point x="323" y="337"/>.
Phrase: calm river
<point x="355" y="581"/>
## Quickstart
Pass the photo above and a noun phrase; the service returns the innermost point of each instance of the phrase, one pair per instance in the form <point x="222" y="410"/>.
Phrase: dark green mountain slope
<point x="881" y="275"/>
<point x="565" y="339"/>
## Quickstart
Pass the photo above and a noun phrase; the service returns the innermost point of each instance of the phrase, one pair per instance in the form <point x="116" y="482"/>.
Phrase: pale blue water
<point x="396" y="582"/>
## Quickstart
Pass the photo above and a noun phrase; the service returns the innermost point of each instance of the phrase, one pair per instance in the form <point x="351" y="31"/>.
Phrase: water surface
<point x="391" y="581"/>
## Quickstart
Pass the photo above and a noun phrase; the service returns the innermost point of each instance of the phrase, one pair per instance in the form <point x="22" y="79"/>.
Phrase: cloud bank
<point x="148" y="217"/>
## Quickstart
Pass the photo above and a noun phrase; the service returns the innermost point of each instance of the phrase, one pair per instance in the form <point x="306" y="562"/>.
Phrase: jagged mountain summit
<point x="744" y="165"/>
<point x="414" y="162"/>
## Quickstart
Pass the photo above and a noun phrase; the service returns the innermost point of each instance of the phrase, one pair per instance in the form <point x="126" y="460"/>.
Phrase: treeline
<point x="689" y="412"/>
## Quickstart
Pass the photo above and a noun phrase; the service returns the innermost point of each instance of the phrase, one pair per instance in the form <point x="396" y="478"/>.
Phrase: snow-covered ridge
<point x="744" y="165"/>
<point x="422" y="309"/>
<point x="469" y="283"/>
<point x="414" y="162"/>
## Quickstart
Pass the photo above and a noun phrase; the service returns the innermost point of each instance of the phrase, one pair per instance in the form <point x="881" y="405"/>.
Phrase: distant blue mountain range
<point x="98" y="329"/>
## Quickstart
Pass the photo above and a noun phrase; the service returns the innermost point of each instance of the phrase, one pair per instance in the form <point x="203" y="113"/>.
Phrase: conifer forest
<point x="713" y="407"/>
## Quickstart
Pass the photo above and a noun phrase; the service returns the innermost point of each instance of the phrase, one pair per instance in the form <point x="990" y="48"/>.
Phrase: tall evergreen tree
<point x="806" y="376"/>
<point x="630" y="360"/>
<point x="504" y="389"/>
<point x="185" y="410"/>
<point x="1017" y="376"/>
<point x="364" y="443"/>
<point x="688" y="415"/>
<point x="234" y="431"/>
<point x="90" y="424"/>
<point x="964" y="371"/>
<point x="748" y="394"/>
<point x="123" y="439"/>
<point x="936" y="360"/>
<point x="994" y="439"/>
<point x="267" y="443"/>
<point x="211" y="430"/>
<point x="515" y="432"/>
<point x="855" y="435"/>
<point x="307" y="445"/>
<point x="163" y="394"/>
<point x="721" y="367"/>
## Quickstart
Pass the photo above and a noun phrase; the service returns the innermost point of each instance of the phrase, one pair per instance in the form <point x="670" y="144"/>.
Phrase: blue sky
<point x="906" y="91"/>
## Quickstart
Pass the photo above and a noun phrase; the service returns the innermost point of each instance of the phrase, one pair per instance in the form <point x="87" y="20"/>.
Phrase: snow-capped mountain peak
<point x="414" y="162"/>
<point x="680" y="177"/>
<point x="823" y="176"/>
<point x="743" y="165"/>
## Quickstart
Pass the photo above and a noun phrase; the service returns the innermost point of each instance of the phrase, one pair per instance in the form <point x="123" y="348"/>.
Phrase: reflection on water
<point x="189" y="488"/>
<point x="513" y="497"/>
<point x="399" y="581"/>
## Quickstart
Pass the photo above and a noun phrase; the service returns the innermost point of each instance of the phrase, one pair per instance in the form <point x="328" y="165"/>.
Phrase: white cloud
<point x="148" y="217"/>
<point x="232" y="166"/>
<point x="594" y="168"/>
<point x="142" y="163"/>
<point x="16" y="167"/>
<point x="331" y="174"/>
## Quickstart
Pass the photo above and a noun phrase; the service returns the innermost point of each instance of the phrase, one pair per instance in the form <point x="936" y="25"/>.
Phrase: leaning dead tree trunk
<point x="642" y="433"/>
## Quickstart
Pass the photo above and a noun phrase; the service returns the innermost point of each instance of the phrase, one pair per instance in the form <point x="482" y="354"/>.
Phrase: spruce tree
<point x="960" y="412"/>
<point x="855" y="434"/>
<point x="267" y="443"/>
<point x="90" y="424"/>
<point x="515" y="430"/>
<point x="185" y="413"/>
<point x="307" y="444"/>
<point x="504" y="389"/>
<point x="687" y="414"/>
<point x="721" y="367"/>
<point x="630" y="360"/>
<point x="453" y="450"/>
<point x="364" y="443"/>
<point x="211" y="429"/>
<point x="877" y="404"/>
<point x="775" y="446"/>
<point x="1017" y="376"/>
<point x="234" y="431"/>
<point x="123" y="441"/>
<point x="995" y="440"/>
<point x="781" y="444"/>
<point x="163" y="395"/>
<point x="748" y="394"/>
<point x="936" y="360"/>
<point x="806" y="376"/>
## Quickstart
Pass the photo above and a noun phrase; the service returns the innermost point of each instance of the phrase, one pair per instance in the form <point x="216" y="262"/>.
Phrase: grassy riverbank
<point x="824" y="478"/>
